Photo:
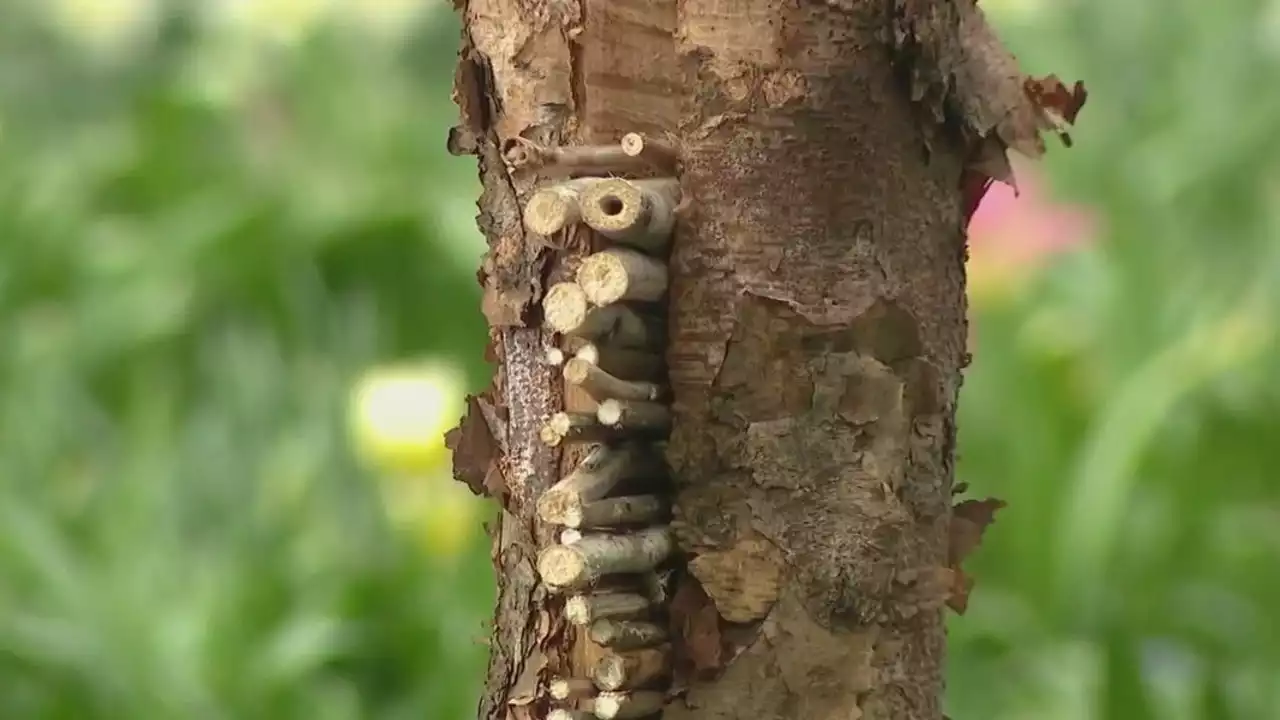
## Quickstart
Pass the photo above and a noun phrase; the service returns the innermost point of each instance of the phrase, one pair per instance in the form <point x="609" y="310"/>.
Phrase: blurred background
<point x="238" y="309"/>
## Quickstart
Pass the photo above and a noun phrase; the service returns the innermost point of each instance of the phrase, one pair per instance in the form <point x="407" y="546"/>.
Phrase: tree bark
<point x="830" y="153"/>
<point x="818" y="316"/>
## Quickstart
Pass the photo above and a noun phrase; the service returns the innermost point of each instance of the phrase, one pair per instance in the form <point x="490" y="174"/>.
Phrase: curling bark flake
<point x="830" y="153"/>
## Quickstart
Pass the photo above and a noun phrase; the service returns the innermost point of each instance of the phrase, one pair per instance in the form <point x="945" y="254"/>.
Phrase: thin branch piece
<point x="639" y="213"/>
<point x="627" y="634"/>
<point x="570" y="688"/>
<point x="585" y="562"/>
<point x="572" y="160"/>
<point x="567" y="310"/>
<point x="577" y="428"/>
<point x="618" y="274"/>
<point x="569" y="536"/>
<point x="625" y="363"/>
<point x="635" y="416"/>
<point x="600" y="385"/>
<point x="583" y="610"/>
<point x="636" y="669"/>
<point x="627" y="705"/>
<point x="555" y="357"/>
<point x="656" y="152"/>
<point x="555" y="208"/>
<point x="565" y="307"/>
<point x="594" y="478"/>
<point x="613" y="512"/>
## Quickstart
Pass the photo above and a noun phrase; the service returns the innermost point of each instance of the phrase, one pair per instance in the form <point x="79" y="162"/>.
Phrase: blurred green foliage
<point x="209" y="227"/>
<point x="207" y="234"/>
<point x="1127" y="405"/>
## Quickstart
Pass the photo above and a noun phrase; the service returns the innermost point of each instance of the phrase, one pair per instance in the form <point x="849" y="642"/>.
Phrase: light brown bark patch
<point x="742" y="581"/>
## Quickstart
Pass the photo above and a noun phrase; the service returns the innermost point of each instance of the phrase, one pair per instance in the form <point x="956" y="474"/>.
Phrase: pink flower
<point x="1013" y="233"/>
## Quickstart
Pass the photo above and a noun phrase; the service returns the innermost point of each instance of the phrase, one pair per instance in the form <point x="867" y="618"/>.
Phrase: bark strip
<point x="821" y="250"/>
<point x="540" y="74"/>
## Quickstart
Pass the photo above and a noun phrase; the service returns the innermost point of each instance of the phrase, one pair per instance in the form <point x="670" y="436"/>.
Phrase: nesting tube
<point x="619" y="274"/>
<point x="594" y="478"/>
<point x="637" y="213"/>
<point x="566" y="309"/>
<point x="583" y="610"/>
<point x="556" y="207"/>
<point x="626" y="634"/>
<point x="600" y="385"/>
<point x="635" y="416"/>
<point x="614" y="543"/>
<point x="654" y="151"/>
<point x="632" y="670"/>
<point x="572" y="160"/>
<point x="585" y="562"/>
<point x="577" y="428"/>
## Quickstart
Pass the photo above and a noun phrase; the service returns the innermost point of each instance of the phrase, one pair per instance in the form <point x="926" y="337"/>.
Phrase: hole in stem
<point x="611" y="205"/>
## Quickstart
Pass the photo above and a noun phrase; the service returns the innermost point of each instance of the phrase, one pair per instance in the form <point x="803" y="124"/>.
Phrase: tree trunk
<point x="818" y="335"/>
<point x="829" y="155"/>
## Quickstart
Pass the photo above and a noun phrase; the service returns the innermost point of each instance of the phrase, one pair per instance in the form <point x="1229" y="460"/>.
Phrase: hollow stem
<point x="556" y="207"/>
<point x="566" y="309"/>
<point x="572" y="160"/>
<point x="638" y="213"/>
<point x="654" y="151"/>
<point x="618" y="274"/>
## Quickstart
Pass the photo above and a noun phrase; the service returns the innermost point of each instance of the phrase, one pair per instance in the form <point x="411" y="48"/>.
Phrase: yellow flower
<point x="440" y="514"/>
<point x="399" y="415"/>
<point x="390" y="18"/>
<point x="284" y="21"/>
<point x="105" y="26"/>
